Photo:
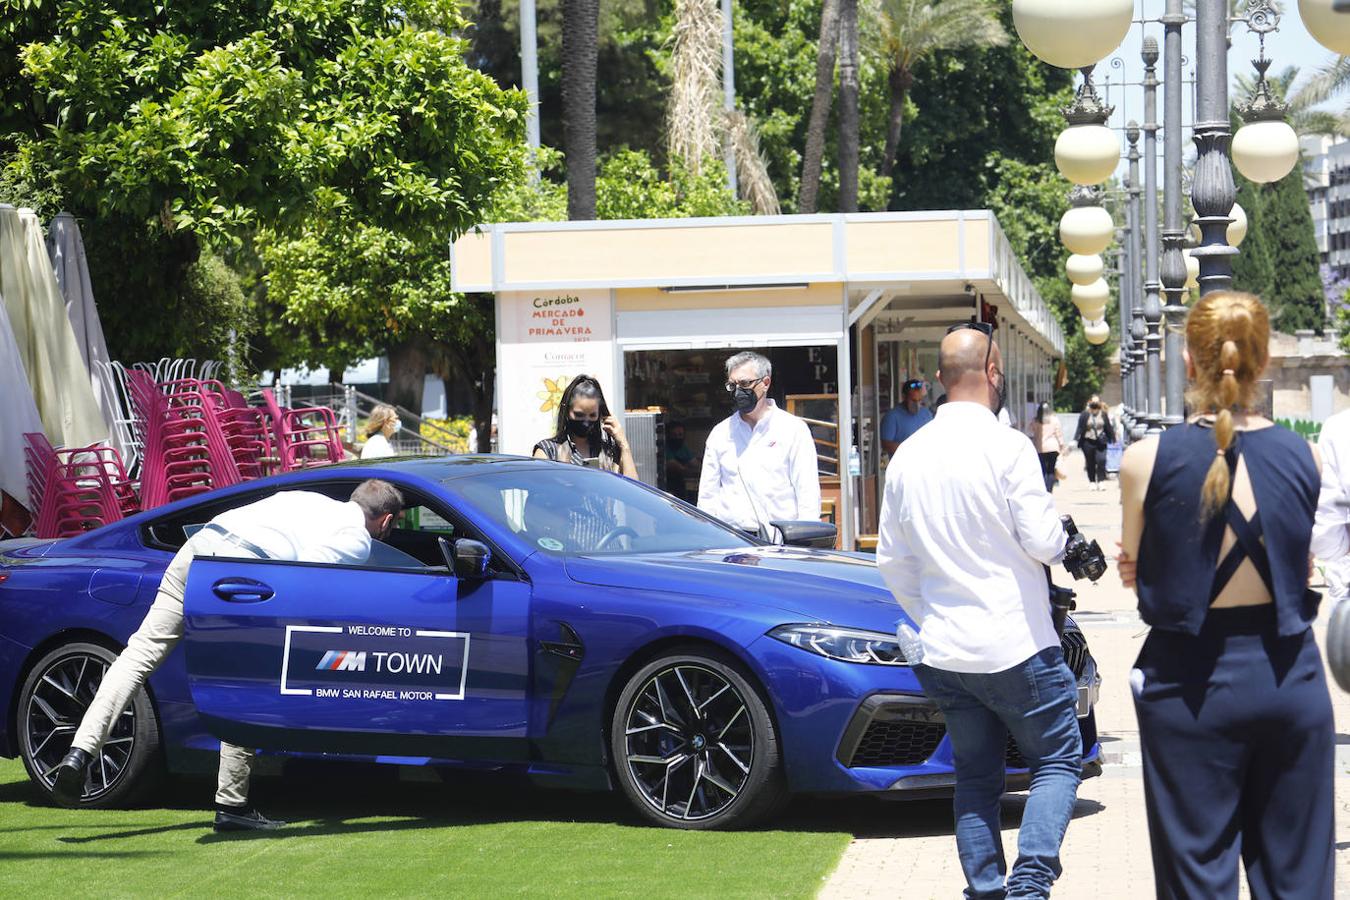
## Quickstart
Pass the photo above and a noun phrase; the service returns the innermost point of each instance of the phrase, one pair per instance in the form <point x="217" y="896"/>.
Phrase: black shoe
<point x="68" y="786"/>
<point x="244" y="818"/>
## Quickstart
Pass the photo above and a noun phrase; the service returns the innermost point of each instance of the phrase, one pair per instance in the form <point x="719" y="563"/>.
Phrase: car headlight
<point x="853" y="645"/>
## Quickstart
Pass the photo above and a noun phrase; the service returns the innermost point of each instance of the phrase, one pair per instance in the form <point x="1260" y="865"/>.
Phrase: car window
<point x="413" y="544"/>
<point x="570" y="509"/>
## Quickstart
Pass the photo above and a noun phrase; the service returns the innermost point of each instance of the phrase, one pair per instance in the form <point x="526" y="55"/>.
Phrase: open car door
<point x="358" y="660"/>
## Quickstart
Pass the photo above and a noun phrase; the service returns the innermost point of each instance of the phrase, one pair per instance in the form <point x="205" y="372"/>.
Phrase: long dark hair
<point x="585" y="387"/>
<point x="1041" y="412"/>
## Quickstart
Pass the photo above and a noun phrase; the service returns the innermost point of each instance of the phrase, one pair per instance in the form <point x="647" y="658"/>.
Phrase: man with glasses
<point x="902" y="421"/>
<point x="966" y="530"/>
<point x="759" y="464"/>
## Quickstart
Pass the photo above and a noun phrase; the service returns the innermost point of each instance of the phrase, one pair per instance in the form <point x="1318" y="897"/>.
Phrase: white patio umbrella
<point x="18" y="416"/>
<point x="65" y="245"/>
<point x="57" y="375"/>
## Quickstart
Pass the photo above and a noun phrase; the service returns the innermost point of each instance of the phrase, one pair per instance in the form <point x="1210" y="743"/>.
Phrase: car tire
<point x="694" y="745"/>
<point x="54" y="698"/>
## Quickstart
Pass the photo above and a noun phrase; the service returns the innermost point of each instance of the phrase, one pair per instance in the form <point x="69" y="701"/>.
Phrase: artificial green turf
<point x="359" y="834"/>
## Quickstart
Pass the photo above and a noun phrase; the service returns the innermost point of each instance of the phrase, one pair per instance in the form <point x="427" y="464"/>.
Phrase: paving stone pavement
<point x="908" y="849"/>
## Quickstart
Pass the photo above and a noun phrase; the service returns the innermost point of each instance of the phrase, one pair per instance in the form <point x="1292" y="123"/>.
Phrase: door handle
<point x="242" y="590"/>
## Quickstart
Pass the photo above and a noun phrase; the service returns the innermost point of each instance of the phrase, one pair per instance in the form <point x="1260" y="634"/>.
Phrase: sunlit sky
<point x="1290" y="46"/>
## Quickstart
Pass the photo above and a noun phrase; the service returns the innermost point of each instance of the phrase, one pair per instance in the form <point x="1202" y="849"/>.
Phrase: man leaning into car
<point x="298" y="526"/>
<point x="966" y="526"/>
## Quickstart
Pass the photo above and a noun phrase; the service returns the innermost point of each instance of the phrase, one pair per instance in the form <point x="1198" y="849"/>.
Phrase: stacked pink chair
<point x="306" y="436"/>
<point x="244" y="428"/>
<point x="178" y="457"/>
<point x="76" y="488"/>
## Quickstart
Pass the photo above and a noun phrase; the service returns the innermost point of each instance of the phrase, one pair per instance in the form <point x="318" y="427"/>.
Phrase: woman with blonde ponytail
<point x="1234" y="714"/>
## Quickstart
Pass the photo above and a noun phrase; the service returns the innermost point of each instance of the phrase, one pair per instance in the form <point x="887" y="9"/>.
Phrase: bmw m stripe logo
<point x="342" y="661"/>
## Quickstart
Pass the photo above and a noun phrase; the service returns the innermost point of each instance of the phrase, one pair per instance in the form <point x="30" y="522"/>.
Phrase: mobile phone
<point x="593" y="462"/>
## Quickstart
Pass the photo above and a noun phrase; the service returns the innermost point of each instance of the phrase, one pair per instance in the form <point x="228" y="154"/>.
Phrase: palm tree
<point x="848" y="106"/>
<point x="814" y="153"/>
<point x="696" y="124"/>
<point x="580" y="39"/>
<point x="904" y="32"/>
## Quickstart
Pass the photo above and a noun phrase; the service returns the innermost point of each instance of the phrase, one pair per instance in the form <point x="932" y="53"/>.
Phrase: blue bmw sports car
<point x="705" y="674"/>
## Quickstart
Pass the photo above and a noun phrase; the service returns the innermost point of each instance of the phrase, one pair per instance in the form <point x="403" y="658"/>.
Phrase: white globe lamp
<point x="1084" y="269"/>
<point x="1072" y="34"/>
<point x="1328" y="27"/>
<point x="1192" y="270"/>
<point x="1086" y="230"/>
<point x="1265" y="151"/>
<point x="1087" y="154"/>
<point x="1096" y="331"/>
<point x="1237" y="229"/>
<point x="1091" y="299"/>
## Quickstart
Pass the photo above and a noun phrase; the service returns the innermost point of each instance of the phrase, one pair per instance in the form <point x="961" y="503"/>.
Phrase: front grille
<point x="1075" y="651"/>
<point x="902" y="743"/>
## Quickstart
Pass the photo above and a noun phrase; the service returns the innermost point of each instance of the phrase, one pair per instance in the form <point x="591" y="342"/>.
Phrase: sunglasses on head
<point x="983" y="328"/>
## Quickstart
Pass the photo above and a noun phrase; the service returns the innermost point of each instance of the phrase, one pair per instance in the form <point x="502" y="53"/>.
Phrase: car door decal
<point x="374" y="662"/>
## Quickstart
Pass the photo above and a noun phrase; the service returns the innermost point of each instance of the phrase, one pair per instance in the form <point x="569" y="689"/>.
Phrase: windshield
<point x="570" y="509"/>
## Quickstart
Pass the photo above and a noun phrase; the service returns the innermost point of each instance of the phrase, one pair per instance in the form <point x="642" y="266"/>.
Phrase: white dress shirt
<point x="762" y="474"/>
<point x="302" y="526"/>
<point x="377" y="446"/>
<point x="1331" y="530"/>
<point x="966" y="524"/>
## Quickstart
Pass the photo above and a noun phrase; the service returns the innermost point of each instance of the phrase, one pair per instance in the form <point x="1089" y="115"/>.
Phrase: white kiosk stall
<point x="846" y="306"/>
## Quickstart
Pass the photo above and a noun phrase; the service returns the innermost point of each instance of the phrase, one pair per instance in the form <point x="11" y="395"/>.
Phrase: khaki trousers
<point x="160" y="632"/>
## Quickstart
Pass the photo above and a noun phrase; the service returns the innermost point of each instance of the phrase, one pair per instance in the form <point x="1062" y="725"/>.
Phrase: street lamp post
<point x="1152" y="309"/>
<point x="1173" y="268"/>
<point x="1212" y="189"/>
<point x="1123" y="293"/>
<point x="1138" y="333"/>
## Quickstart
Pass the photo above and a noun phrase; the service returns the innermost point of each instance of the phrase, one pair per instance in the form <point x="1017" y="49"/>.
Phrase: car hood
<point x="810" y="585"/>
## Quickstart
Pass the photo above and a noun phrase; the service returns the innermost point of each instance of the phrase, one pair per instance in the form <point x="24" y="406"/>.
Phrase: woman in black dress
<point x="1094" y="433"/>
<point x="588" y="434"/>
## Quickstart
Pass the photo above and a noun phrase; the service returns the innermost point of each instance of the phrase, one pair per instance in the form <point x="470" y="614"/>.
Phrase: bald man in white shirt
<point x="759" y="464"/>
<point x="301" y="526"/>
<point x="966" y="530"/>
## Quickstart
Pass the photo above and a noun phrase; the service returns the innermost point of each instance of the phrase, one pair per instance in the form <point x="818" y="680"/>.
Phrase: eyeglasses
<point x="983" y="328"/>
<point x="747" y="384"/>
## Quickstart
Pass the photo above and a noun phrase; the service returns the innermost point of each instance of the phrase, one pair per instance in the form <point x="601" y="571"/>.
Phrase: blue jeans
<point x="1035" y="701"/>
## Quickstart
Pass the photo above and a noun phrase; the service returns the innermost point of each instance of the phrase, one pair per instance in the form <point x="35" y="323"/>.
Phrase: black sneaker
<point x="244" y="819"/>
<point x="68" y="786"/>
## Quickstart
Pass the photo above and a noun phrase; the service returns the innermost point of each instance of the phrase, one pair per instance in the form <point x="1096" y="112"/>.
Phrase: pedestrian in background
<point x="681" y="463"/>
<point x="587" y="430"/>
<point x="1331" y="533"/>
<point x="1048" y="437"/>
<point x="759" y="464"/>
<point x="1235" y="718"/>
<point x="966" y="530"/>
<point x="907" y="418"/>
<point x="1094" y="432"/>
<point x="382" y="425"/>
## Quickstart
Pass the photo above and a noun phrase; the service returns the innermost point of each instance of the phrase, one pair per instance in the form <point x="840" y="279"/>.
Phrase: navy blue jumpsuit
<point x="1234" y="714"/>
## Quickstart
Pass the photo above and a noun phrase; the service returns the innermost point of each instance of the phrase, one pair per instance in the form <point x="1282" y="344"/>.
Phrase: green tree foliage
<point x="174" y="127"/>
<point x="1253" y="270"/>
<point x="1295" y="296"/>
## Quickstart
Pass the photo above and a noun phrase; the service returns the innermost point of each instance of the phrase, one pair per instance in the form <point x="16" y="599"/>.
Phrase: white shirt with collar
<point x="763" y="473"/>
<point x="966" y="524"/>
<point x="1331" y="529"/>
<point x="302" y="526"/>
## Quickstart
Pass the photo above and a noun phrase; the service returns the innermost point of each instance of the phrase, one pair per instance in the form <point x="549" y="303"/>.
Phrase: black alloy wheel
<point x="694" y="745"/>
<point x="54" y="699"/>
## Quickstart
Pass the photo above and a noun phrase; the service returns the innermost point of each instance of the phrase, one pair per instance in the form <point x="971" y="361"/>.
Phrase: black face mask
<point x="1002" y="394"/>
<point x="744" y="399"/>
<point x="582" y="428"/>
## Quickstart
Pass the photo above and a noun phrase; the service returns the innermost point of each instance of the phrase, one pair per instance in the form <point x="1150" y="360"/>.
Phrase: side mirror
<point x="821" y="535"/>
<point x="471" y="560"/>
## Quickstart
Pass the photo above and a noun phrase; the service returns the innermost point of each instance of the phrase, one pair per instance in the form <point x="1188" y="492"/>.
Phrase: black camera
<point x="1083" y="558"/>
